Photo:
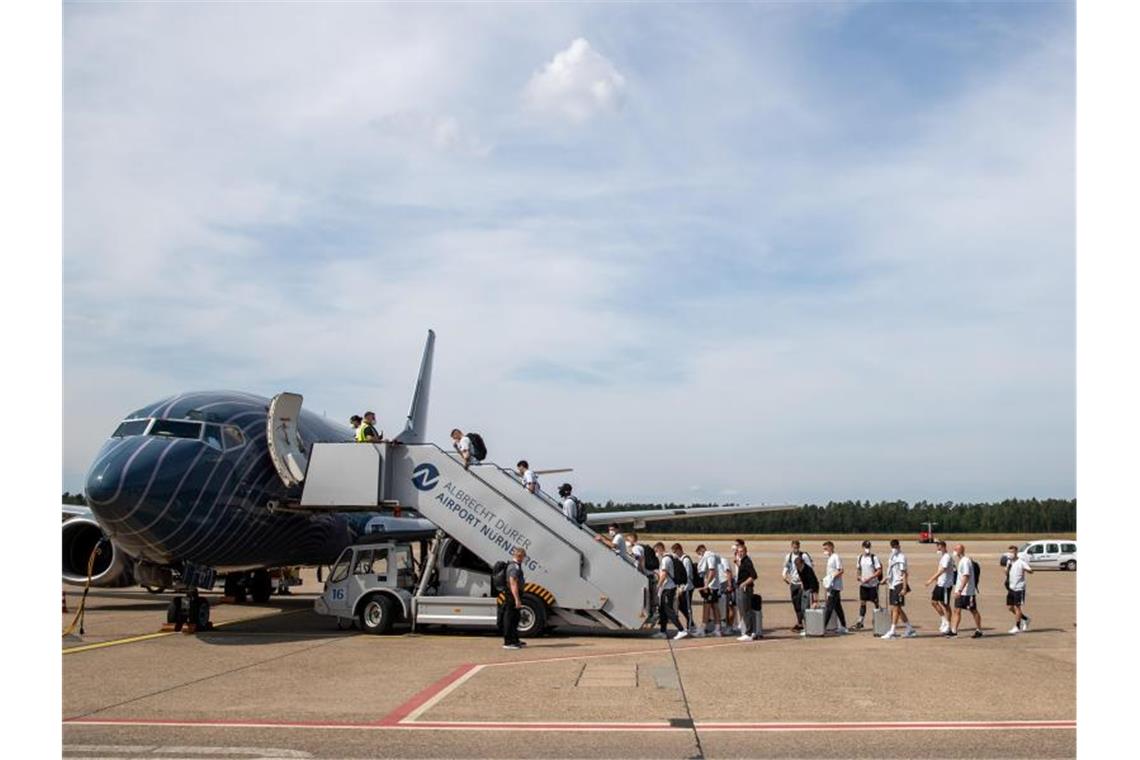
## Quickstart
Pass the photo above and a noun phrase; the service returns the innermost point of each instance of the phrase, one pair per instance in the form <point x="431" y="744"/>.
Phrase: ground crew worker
<point x="367" y="432"/>
<point x="745" y="581"/>
<point x="965" y="594"/>
<point x="513" y="601"/>
<point x="667" y="594"/>
<point x="529" y="479"/>
<point x="943" y="580"/>
<point x="870" y="573"/>
<point x="833" y="582"/>
<point x="1015" y="570"/>
<point x="795" y="585"/>
<point x="898" y="584"/>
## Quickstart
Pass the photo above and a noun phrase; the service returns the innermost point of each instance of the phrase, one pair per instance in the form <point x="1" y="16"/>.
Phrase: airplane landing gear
<point x="256" y="585"/>
<point x="188" y="614"/>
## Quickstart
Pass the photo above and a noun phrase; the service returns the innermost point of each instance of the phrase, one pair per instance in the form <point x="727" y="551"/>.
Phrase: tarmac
<point x="276" y="680"/>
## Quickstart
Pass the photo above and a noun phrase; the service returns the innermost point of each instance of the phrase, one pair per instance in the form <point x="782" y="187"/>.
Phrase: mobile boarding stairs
<point x="487" y="510"/>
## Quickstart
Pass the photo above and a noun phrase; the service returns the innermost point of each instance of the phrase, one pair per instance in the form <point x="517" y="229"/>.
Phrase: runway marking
<point x="160" y="634"/>
<point x="427" y="697"/>
<point x="533" y="727"/>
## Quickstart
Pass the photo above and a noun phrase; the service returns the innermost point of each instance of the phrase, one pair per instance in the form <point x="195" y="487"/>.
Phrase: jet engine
<point x="81" y="535"/>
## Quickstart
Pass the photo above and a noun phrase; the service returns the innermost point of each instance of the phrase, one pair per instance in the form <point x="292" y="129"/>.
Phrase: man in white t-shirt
<point x="685" y="590"/>
<point x="637" y="552"/>
<point x="667" y="592"/>
<point x="870" y="574"/>
<point x="569" y="502"/>
<point x="965" y="593"/>
<point x="898" y="585"/>
<point x="708" y="567"/>
<point x="1015" y="570"/>
<point x="529" y="479"/>
<point x="795" y="586"/>
<point x="462" y="444"/>
<point x="943" y="580"/>
<point x="833" y="583"/>
<point x="616" y="541"/>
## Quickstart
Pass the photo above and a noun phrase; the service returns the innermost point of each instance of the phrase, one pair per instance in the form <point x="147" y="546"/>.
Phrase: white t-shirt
<point x="528" y="478"/>
<point x="619" y="544"/>
<point x="710" y="561"/>
<point x="868" y="564"/>
<point x="569" y="509"/>
<point x="688" y="565"/>
<point x="723" y="570"/>
<point x="946" y="565"/>
<point x="896" y="566"/>
<point x="966" y="584"/>
<point x="790" y="566"/>
<point x="832" y="580"/>
<point x="638" y="552"/>
<point x="667" y="566"/>
<point x="1017" y="570"/>
<point x="464" y="445"/>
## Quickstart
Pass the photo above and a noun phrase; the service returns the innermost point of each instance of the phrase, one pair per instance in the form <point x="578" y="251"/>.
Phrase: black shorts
<point x="964" y="602"/>
<point x="869" y="594"/>
<point x="1015" y="598"/>
<point x="730" y="598"/>
<point x="941" y="595"/>
<point x="895" y="598"/>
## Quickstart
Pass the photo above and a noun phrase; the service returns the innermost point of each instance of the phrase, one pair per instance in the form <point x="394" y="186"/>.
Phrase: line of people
<point x="730" y="604"/>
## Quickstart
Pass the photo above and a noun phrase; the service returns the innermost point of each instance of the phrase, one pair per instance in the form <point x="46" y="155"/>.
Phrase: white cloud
<point x="578" y="83"/>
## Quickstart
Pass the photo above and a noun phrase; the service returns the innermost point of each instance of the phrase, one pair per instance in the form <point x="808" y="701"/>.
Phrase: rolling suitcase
<point x="813" y="621"/>
<point x="758" y="616"/>
<point x="882" y="620"/>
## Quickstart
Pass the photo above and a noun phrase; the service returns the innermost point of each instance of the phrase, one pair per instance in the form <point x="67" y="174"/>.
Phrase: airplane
<point x="187" y="488"/>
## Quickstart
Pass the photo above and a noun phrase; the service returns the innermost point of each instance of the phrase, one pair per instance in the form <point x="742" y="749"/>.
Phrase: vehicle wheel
<point x="155" y="589"/>
<point x="260" y="586"/>
<point x="377" y="614"/>
<point x="234" y="587"/>
<point x="174" y="610"/>
<point x="1071" y="565"/>
<point x="532" y="616"/>
<point x="203" y="618"/>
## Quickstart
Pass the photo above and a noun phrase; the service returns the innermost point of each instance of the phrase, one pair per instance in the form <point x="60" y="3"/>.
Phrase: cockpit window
<point x="130" y="427"/>
<point x="176" y="429"/>
<point x="213" y="436"/>
<point x="233" y="436"/>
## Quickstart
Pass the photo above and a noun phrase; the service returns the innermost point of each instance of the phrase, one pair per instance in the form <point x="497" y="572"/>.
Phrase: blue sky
<point x="700" y="253"/>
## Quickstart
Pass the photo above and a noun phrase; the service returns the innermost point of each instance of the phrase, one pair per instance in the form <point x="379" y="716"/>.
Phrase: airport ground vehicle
<point x="1056" y="553"/>
<point x="927" y="536"/>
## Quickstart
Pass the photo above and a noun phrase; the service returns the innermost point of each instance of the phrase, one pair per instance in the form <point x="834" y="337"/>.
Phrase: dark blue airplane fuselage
<point x="171" y="500"/>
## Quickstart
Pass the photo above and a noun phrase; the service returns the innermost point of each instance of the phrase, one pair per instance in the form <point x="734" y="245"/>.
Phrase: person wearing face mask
<point x="616" y="541"/>
<point x="965" y="593"/>
<point x="1015" y="570"/>
<point x="795" y="584"/>
<point x="833" y="582"/>
<point x="870" y="573"/>
<point x="898" y="584"/>
<point x="943" y="580"/>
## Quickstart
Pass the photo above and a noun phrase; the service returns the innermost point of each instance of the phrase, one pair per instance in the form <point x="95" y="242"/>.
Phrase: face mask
<point x="866" y="551"/>
<point x="894" y="552"/>
<point x="1009" y="555"/>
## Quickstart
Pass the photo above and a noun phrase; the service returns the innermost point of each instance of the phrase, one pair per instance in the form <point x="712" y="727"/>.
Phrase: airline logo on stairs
<point x="425" y="477"/>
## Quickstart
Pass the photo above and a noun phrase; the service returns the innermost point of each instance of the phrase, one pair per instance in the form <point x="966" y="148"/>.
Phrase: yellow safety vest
<point x="360" y="433"/>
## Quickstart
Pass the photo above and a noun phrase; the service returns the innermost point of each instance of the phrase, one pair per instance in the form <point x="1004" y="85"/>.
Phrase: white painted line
<point x="411" y="717"/>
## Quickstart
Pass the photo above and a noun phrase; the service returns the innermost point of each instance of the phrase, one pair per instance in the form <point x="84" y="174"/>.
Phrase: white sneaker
<point x="699" y="633"/>
<point x="1025" y="624"/>
<point x="841" y="631"/>
<point x="944" y="627"/>
<point x="1015" y="630"/>
<point x="682" y="634"/>
<point x="803" y="633"/>
<point x="718" y="633"/>
<point x="889" y="635"/>
<point x="744" y="637"/>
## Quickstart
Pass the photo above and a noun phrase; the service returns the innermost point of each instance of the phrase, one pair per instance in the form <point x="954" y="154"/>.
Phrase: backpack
<point x="651" y="561"/>
<point x="579" y="511"/>
<point x="680" y="575"/>
<point x="977" y="570"/>
<point x="478" y="448"/>
<point x="499" y="575"/>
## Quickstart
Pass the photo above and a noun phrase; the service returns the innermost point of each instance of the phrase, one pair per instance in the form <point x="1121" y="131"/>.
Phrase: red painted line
<point x="421" y="697"/>
<point x="991" y="725"/>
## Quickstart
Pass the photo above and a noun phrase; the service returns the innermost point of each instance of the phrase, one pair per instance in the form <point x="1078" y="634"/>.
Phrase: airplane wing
<point x="641" y="516"/>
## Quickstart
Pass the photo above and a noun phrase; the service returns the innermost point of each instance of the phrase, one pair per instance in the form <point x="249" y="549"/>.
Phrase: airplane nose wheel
<point x="188" y="614"/>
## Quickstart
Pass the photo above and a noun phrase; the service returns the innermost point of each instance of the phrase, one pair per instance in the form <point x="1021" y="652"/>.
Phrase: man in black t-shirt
<point x="513" y="601"/>
<point x="745" y="583"/>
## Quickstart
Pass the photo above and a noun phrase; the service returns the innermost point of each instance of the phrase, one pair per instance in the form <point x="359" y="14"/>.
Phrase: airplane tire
<point x="261" y="586"/>
<point x="377" y="614"/>
<point x="532" y="615"/>
<point x="174" y="610"/>
<point x="155" y="589"/>
<point x="202" y="620"/>
<point x="235" y="587"/>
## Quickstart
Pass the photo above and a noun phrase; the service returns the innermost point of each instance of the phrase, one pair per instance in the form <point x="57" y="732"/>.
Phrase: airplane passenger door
<point x="286" y="449"/>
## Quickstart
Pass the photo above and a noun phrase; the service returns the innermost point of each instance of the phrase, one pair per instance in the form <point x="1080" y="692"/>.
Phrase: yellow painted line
<point x="160" y="634"/>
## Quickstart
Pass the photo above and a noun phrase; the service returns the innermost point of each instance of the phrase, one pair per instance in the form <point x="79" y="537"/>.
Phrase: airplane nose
<point x="104" y="480"/>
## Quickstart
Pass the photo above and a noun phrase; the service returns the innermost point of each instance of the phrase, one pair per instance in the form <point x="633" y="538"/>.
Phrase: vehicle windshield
<point x="340" y="569"/>
<point x="176" y="429"/>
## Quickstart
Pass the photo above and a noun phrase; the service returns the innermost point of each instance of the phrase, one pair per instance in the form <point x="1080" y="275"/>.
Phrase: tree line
<point x="838" y="517"/>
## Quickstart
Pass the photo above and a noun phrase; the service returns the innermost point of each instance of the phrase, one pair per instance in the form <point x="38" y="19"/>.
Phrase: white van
<point x="1056" y="553"/>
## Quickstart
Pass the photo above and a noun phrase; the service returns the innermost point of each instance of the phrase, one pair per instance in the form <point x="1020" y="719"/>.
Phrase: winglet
<point x="416" y="427"/>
